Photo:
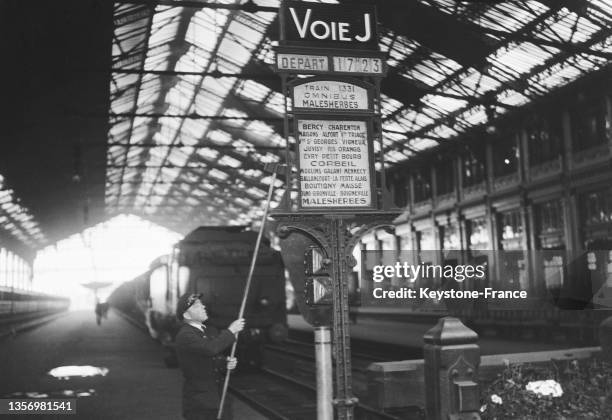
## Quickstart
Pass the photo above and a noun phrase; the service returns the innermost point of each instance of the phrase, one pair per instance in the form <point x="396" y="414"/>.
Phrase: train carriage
<point x="214" y="261"/>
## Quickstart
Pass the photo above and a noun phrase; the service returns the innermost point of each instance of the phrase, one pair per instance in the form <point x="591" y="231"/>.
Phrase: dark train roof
<point x="170" y="110"/>
<point x="205" y="234"/>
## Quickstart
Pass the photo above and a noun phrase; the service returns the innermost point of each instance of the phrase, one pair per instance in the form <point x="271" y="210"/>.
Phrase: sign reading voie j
<point x="329" y="25"/>
<point x="330" y="94"/>
<point x="334" y="164"/>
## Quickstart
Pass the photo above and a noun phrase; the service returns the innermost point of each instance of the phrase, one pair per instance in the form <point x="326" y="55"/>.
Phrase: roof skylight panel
<point x="389" y="105"/>
<point x="444" y="131"/>
<point x="159" y="152"/>
<point x="123" y="81"/>
<point x="433" y="71"/>
<point x="259" y="127"/>
<point x="133" y="155"/>
<point x="443" y="104"/>
<point x="218" y="87"/>
<point x="158" y="56"/>
<point x="115" y="151"/>
<point x="266" y="157"/>
<point x="243" y="147"/>
<point x="561" y="77"/>
<point x="179" y="98"/>
<point x="219" y="137"/>
<point x="247" y="32"/>
<point x="123" y="105"/>
<point x="398" y="47"/>
<point x="119" y="129"/>
<point x="512" y="97"/>
<point x="395" y="156"/>
<point x="194" y="60"/>
<point x="227" y="65"/>
<point x="508" y="16"/>
<point x="411" y="119"/>
<point x="266" y="52"/>
<point x="562" y="73"/>
<point x="177" y="157"/>
<point x="169" y="174"/>
<point x="165" y="23"/>
<point x="230" y="161"/>
<point x="199" y="193"/>
<point x="522" y="57"/>
<point x="477" y="83"/>
<point x="257" y="192"/>
<point x="252" y="90"/>
<point x="422" y="144"/>
<point x="600" y="12"/>
<point x="149" y="90"/>
<point x="124" y="46"/>
<point x="192" y="201"/>
<point x="207" y="104"/>
<point x="473" y="116"/>
<point x="565" y="28"/>
<point x="204" y="28"/>
<point x="167" y="132"/>
<point x="184" y="187"/>
<point x="391" y="135"/>
<point x="208" y="153"/>
<point x="194" y="128"/>
<point x="251" y="173"/>
<point x="217" y="174"/>
<point x="234" y="52"/>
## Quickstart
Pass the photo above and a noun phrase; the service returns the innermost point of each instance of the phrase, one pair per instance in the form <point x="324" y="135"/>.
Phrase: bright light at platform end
<point x="101" y="258"/>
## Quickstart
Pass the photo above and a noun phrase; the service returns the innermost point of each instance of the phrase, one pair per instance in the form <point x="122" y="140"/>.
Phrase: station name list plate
<point x="334" y="164"/>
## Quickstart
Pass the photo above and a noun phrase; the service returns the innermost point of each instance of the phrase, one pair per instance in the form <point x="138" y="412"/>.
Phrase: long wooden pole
<point x="246" y="290"/>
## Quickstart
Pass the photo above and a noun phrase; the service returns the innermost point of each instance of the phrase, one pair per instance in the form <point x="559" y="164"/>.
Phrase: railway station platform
<point x="132" y="381"/>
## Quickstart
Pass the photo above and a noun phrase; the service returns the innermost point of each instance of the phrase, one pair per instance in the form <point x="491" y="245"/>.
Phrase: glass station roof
<point x="196" y="111"/>
<point x="16" y="220"/>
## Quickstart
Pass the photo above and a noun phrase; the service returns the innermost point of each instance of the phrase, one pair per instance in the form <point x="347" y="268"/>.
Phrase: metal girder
<point x="256" y="66"/>
<point x="214" y="146"/>
<point x="249" y="6"/>
<point x="401" y="89"/>
<point x="576" y="48"/>
<point x="525" y="29"/>
<point x="252" y="108"/>
<point x="237" y="132"/>
<point x="216" y="74"/>
<point x="181" y="36"/>
<point x="462" y="41"/>
<point x="597" y="37"/>
<point x="249" y="181"/>
<point x="138" y="84"/>
<point x="237" y="156"/>
<point x="192" y="116"/>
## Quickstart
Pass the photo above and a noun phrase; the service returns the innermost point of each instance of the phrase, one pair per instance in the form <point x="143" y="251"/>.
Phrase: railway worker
<point x="196" y="348"/>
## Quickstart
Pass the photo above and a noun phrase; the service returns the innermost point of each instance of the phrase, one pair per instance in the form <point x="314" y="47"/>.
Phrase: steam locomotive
<point x="213" y="261"/>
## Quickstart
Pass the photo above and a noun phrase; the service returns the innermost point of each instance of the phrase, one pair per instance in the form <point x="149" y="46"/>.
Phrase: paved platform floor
<point x="137" y="385"/>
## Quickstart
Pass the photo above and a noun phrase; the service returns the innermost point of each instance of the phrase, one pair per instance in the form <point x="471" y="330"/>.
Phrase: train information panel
<point x="334" y="164"/>
<point x="331" y="95"/>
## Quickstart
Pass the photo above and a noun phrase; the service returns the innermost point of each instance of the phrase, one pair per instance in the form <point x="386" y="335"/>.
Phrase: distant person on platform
<point x="196" y="348"/>
<point x="98" y="311"/>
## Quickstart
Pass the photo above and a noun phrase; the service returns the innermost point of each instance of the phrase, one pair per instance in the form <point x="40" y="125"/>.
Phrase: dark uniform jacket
<point x="195" y="351"/>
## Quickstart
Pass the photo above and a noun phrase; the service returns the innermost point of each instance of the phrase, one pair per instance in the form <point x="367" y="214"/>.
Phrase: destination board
<point x="334" y="164"/>
<point x="330" y="94"/>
